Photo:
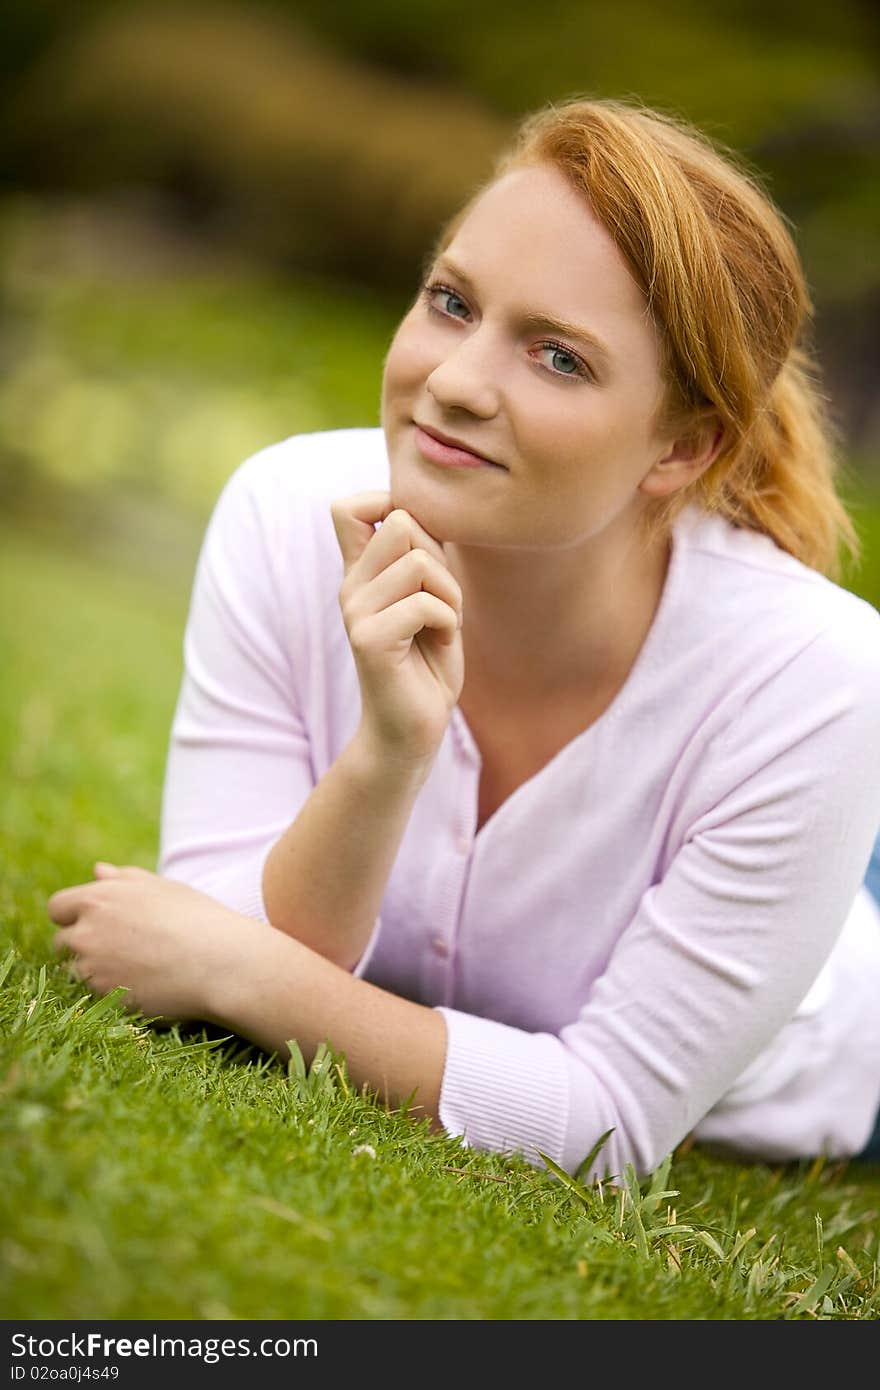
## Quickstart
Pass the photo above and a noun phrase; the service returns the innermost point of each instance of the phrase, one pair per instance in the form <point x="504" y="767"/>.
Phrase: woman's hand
<point x="402" y="609"/>
<point x="169" y="944"/>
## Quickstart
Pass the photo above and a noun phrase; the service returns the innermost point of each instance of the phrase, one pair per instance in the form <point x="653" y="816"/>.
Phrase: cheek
<point x="562" y="436"/>
<point x="397" y="389"/>
<point x="410" y="358"/>
<point x="393" y="358"/>
<point x="599" y="425"/>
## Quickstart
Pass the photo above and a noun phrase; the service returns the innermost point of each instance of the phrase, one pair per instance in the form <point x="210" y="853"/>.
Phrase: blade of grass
<point x="104" y="1004"/>
<point x="571" y="1183"/>
<point x="7" y="964"/>
<point x="584" y="1167"/>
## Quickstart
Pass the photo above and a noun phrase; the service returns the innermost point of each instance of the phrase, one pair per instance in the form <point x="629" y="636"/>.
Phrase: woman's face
<point x="567" y="415"/>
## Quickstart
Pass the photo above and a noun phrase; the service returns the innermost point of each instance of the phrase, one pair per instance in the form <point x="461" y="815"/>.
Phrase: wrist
<point x="246" y="964"/>
<point x="379" y="764"/>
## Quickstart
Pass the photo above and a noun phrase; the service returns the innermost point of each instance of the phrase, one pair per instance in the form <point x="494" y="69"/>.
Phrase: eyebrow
<point x="533" y="319"/>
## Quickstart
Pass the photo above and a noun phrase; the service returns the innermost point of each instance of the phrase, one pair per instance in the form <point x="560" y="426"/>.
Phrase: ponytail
<point x="780" y="479"/>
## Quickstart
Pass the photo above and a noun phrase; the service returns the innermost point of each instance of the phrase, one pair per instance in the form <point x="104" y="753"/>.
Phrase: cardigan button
<point x="441" y="948"/>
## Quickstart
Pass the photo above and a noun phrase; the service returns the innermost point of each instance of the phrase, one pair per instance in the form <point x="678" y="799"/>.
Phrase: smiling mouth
<point x="450" y="455"/>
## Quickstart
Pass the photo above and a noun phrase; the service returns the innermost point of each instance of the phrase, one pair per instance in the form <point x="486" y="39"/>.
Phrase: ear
<point x="685" y="458"/>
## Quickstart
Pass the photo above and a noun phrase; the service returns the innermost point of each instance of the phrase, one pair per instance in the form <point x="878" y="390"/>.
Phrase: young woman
<point x="527" y="750"/>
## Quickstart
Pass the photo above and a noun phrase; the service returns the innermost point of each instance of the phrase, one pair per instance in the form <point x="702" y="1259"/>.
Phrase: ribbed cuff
<point x="241" y="891"/>
<point x="504" y="1089"/>
<point x="251" y="901"/>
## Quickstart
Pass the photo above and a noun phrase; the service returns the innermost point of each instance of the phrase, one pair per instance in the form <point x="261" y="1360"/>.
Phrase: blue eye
<point x="576" y="366"/>
<point x="430" y="290"/>
<point x="563" y="352"/>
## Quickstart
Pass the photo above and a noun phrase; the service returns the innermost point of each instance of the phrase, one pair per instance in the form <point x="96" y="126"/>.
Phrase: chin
<point x="421" y="498"/>
<point x="435" y="507"/>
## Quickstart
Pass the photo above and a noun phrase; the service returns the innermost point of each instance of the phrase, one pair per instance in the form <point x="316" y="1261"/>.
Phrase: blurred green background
<point x="213" y="215"/>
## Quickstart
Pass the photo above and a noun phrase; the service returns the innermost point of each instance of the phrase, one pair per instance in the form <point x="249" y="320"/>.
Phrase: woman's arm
<point x="239" y="765"/>
<point x="180" y="954"/>
<point x="285" y="990"/>
<point x="242" y="816"/>
<point x="324" y="880"/>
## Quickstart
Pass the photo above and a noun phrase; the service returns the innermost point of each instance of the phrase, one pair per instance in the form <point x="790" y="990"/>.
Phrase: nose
<point x="467" y="378"/>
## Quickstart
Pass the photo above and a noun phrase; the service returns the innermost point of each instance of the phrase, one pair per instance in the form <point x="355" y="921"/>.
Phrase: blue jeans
<point x="871" y="1152"/>
<point x="872" y="877"/>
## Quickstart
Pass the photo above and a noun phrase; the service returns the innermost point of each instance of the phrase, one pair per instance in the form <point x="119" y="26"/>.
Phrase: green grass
<point x="150" y="1174"/>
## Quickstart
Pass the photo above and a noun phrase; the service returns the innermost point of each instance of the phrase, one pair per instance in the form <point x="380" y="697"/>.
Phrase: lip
<point x="444" y="449"/>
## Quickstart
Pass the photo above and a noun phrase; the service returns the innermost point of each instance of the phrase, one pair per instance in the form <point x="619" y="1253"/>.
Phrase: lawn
<point x="165" y="1174"/>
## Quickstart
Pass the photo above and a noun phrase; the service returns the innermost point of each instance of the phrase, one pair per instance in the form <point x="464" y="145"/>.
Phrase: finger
<point x="65" y="940"/>
<point x="105" y="870"/>
<point x="418" y="536"/>
<point x="65" y="906"/>
<point x="354" y="520"/>
<point x="399" y="624"/>
<point x="133" y="871"/>
<point x="397" y="536"/>
<point x="414" y="572"/>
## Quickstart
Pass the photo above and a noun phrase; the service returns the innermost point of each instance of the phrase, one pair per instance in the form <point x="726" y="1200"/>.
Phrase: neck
<point x="560" y="622"/>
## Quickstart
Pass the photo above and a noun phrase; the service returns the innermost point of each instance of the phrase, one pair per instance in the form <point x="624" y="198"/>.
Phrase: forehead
<point x="533" y="237"/>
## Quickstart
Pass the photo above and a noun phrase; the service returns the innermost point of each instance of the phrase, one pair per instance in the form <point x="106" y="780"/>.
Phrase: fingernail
<point x="102" y="864"/>
<point x="460" y="620"/>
